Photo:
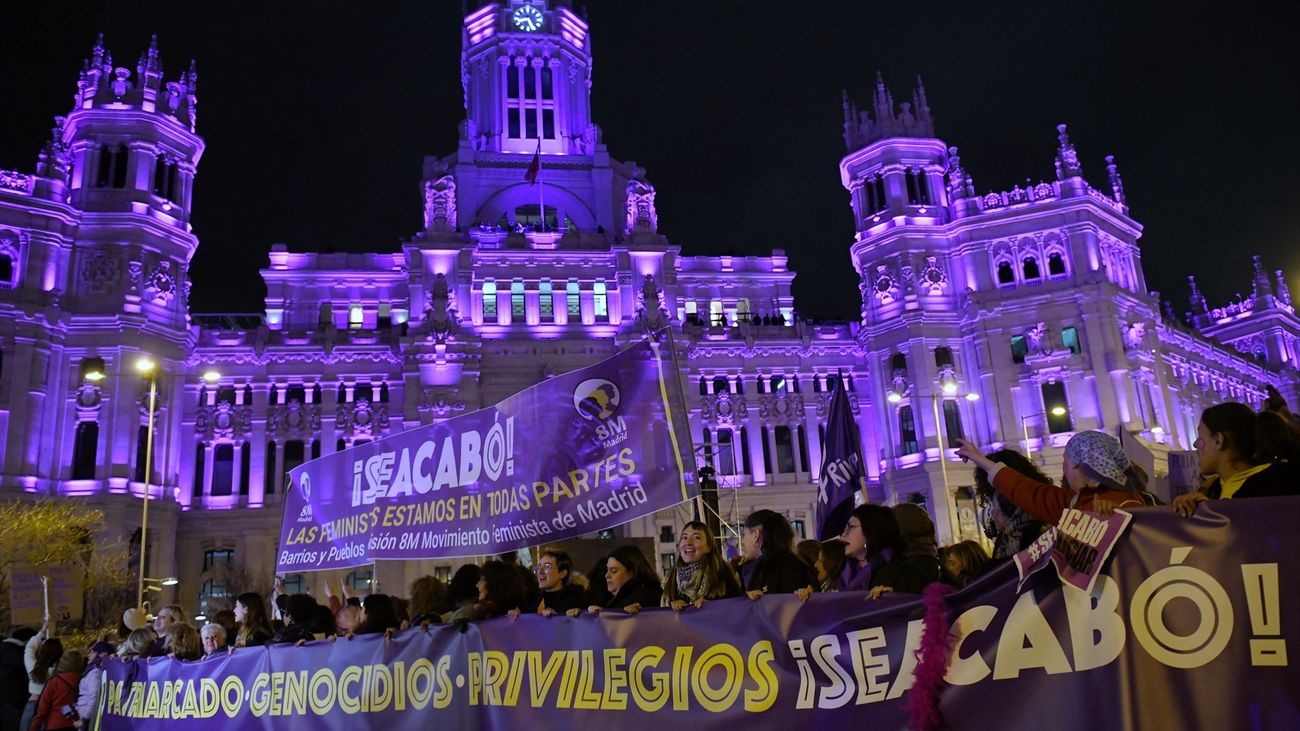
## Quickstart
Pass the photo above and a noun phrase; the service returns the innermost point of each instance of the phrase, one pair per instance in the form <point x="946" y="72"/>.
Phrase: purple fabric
<point x="576" y="454"/>
<point x="1020" y="661"/>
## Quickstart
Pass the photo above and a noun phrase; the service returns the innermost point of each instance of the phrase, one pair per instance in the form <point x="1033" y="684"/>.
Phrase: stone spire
<point x="1260" y="287"/>
<point x="850" y="118"/>
<point x="1283" y="291"/>
<point x="919" y="102"/>
<point x="149" y="70"/>
<point x="1197" y="300"/>
<point x="960" y="184"/>
<point x="1116" y="182"/>
<point x="1067" y="160"/>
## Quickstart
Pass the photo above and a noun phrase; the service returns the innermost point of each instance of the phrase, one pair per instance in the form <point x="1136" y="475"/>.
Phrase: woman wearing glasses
<point x="876" y="559"/>
<point x="555" y="581"/>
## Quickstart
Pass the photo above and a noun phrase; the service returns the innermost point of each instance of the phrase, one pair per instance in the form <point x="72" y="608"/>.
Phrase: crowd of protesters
<point x="1242" y="454"/>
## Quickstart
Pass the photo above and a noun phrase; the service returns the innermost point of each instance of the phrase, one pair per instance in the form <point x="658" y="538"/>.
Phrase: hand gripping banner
<point x="1188" y="626"/>
<point x="575" y="454"/>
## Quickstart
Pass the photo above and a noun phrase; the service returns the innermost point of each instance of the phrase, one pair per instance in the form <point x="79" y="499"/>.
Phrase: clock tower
<point x="526" y="72"/>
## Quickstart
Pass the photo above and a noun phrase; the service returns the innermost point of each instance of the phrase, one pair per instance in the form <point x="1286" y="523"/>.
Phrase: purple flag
<point x="576" y="454"/>
<point x="841" y="475"/>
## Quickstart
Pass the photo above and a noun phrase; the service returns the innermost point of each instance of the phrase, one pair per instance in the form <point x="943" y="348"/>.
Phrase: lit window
<point x="600" y="298"/>
<point x="1070" y="339"/>
<point x="1058" y="408"/>
<point x="489" y="299"/>
<point x="356" y="317"/>
<point x="572" y="295"/>
<point x="716" y="318"/>
<point x="546" y="301"/>
<point x="1019" y="348"/>
<point x="517" y="301"/>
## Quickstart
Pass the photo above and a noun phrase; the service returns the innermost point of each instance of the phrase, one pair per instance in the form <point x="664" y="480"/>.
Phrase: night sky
<point x="317" y="117"/>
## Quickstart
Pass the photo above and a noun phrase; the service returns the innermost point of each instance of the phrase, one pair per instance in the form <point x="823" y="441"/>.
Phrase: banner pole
<point x="707" y="498"/>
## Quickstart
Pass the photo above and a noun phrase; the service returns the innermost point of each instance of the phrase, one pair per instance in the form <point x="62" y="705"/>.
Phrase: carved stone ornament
<point x="439" y="403"/>
<point x="723" y="408"/>
<point x="440" y="203"/>
<point x="160" y="286"/>
<point x="780" y="407"/>
<point x="100" y="271"/>
<point x="641" y="214"/>
<point x="89" y="399"/>
<point x="933" y="280"/>
<point x="884" y="287"/>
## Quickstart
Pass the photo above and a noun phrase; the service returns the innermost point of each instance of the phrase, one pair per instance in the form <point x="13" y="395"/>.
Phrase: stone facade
<point x="1014" y="318"/>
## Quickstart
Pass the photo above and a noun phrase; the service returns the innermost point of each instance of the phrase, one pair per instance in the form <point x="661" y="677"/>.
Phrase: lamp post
<point x="947" y="388"/>
<point x="1057" y="410"/>
<point x="148" y="367"/>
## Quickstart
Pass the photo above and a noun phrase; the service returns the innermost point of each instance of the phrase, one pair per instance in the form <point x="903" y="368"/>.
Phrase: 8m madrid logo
<point x="597" y="399"/>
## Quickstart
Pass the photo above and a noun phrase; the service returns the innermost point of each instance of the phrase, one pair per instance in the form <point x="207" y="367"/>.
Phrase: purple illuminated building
<point x="1012" y="318"/>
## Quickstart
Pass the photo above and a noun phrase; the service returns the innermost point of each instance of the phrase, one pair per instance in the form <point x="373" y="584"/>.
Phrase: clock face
<point x="527" y="18"/>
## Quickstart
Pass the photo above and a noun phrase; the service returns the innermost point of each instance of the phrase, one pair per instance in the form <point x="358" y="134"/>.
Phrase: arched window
<point x="85" y="448"/>
<point x="898" y="362"/>
<point x="6" y="270"/>
<point x="360" y="580"/>
<point x="1006" y="275"/>
<point x="942" y="356"/>
<point x="907" y="430"/>
<point x="1031" y="268"/>
<point x="1055" y="264"/>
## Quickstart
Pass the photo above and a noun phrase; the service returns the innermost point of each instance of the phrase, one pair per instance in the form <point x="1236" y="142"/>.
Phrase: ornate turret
<point x="126" y="161"/>
<point x="911" y="119"/>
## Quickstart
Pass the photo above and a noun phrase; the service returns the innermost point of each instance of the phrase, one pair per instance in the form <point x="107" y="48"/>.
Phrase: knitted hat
<point x="1100" y="452"/>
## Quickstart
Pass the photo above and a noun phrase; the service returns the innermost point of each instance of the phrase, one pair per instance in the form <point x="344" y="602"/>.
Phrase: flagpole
<point x="541" y="187"/>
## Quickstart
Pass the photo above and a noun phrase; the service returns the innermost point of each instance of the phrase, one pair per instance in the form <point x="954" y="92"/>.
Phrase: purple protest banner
<point x="1078" y="545"/>
<point x="578" y="453"/>
<point x="1186" y="627"/>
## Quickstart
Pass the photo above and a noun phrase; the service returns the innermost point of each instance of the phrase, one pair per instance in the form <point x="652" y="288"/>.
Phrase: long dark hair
<point x="464" y="585"/>
<point x="380" y="614"/>
<point x="719" y="579"/>
<point x="47" y="657"/>
<point x="636" y="564"/>
<point x="880" y="529"/>
<point x="778" y="536"/>
<point x="503" y="592"/>
<point x="255" y="620"/>
<point x="1236" y="422"/>
<point x="1276" y="439"/>
<point x="832" y="558"/>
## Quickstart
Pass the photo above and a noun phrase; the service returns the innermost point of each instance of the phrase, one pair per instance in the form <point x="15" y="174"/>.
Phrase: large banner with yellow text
<point x="1187" y="627"/>
<point x="575" y="454"/>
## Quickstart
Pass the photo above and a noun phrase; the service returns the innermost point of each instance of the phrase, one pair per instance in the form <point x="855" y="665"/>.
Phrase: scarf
<point x="690" y="582"/>
<point x="857" y="577"/>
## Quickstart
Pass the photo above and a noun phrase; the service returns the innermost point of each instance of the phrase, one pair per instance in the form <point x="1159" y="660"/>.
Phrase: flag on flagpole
<point x="535" y="166"/>
<point x="842" y="472"/>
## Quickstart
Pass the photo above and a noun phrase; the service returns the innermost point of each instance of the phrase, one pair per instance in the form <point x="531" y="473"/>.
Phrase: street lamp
<point x="147" y="367"/>
<point x="947" y="387"/>
<point x="1057" y="410"/>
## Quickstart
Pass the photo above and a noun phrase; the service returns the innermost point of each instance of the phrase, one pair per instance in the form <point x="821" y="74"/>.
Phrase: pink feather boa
<point x="922" y="702"/>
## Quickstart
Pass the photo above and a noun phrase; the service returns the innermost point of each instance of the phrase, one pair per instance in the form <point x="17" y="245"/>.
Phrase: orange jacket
<point x="1047" y="502"/>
